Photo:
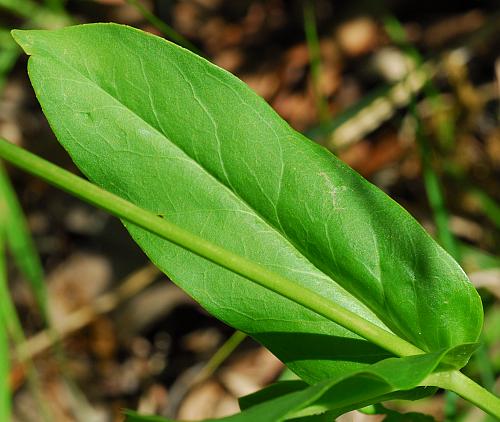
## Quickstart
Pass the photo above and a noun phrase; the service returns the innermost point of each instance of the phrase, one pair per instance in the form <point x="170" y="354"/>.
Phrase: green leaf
<point x="339" y="394"/>
<point x="278" y="389"/>
<point x="184" y="139"/>
<point x="271" y="392"/>
<point x="20" y="243"/>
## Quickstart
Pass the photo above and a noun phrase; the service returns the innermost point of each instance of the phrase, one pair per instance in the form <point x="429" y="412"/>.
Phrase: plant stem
<point x="452" y="380"/>
<point x="467" y="389"/>
<point x="147" y="220"/>
<point x="315" y="60"/>
<point x="221" y="355"/>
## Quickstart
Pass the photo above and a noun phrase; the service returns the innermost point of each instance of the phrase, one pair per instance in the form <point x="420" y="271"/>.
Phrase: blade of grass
<point x="36" y="15"/>
<point x="9" y="52"/>
<point x="165" y="29"/>
<point x="21" y="244"/>
<point x="311" y="32"/>
<point x="489" y="206"/>
<point x="21" y="8"/>
<point x="477" y="259"/>
<point x="11" y="324"/>
<point x="5" y="393"/>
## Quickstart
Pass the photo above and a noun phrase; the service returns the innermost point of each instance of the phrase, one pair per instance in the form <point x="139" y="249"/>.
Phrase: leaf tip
<point x="24" y="38"/>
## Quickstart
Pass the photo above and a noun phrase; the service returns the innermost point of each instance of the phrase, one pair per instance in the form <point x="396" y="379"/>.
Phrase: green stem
<point x="221" y="355"/>
<point x="467" y="389"/>
<point x="452" y="380"/>
<point x="147" y="220"/>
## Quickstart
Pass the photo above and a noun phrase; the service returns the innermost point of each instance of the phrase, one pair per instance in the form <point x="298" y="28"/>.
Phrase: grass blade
<point x="315" y="59"/>
<point x="5" y="394"/>
<point x="20" y="243"/>
<point x="165" y="29"/>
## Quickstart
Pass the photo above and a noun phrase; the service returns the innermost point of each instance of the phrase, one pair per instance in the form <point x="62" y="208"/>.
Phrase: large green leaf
<point x="336" y="395"/>
<point x="179" y="136"/>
